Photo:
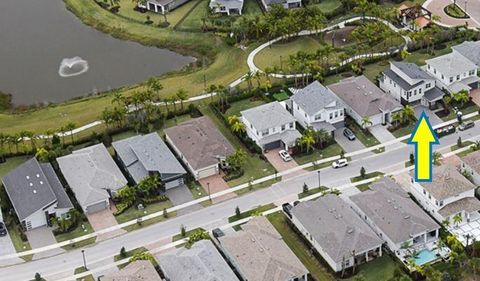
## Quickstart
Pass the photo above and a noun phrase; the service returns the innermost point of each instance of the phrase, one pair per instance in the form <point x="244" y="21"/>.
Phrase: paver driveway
<point x="104" y="219"/>
<point x="277" y="162"/>
<point x="473" y="9"/>
<point x="216" y="184"/>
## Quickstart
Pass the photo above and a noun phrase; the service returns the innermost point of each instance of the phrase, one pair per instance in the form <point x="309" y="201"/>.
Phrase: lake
<point x="38" y="37"/>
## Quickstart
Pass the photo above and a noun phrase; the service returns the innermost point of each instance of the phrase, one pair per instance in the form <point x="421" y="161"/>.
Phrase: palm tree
<point x="366" y="122"/>
<point x="306" y="141"/>
<point x="149" y="184"/>
<point x="446" y="223"/>
<point x="461" y="97"/>
<point x="437" y="157"/>
<point x="182" y="95"/>
<point x="238" y="127"/>
<point x="248" y="78"/>
<point x="457" y="219"/>
<point x="70" y="127"/>
<point x="128" y="195"/>
<point x="118" y="98"/>
<point x="408" y="113"/>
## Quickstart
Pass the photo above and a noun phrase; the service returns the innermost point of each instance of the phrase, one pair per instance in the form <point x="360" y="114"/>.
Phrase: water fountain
<point x="70" y="67"/>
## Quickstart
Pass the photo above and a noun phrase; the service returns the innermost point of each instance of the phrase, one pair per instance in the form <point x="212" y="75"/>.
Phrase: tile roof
<point x="335" y="227"/>
<point x="316" y="97"/>
<point x="392" y="210"/>
<point x="364" y="97"/>
<point x="147" y="153"/>
<point x="135" y="271"/>
<point x="202" y="262"/>
<point x="32" y="186"/>
<point x="200" y="142"/>
<point x="260" y="252"/>
<point x="90" y="172"/>
<point x="447" y="182"/>
<point x="467" y="204"/>
<point x="473" y="161"/>
<point x="470" y="50"/>
<point x="267" y="116"/>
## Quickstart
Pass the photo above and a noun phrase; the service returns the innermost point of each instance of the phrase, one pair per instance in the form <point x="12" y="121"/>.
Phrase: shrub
<point x="123" y="253"/>
<point x="362" y="172"/>
<point x="121" y="207"/>
<point x="237" y="212"/>
<point x="233" y="174"/>
<point x="165" y="213"/>
<point x="305" y="188"/>
<point x="183" y="231"/>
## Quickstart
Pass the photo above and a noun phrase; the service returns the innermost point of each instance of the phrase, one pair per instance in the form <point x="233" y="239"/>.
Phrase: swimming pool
<point x="425" y="256"/>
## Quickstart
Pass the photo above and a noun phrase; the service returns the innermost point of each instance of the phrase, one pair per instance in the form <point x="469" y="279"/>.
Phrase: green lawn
<point x="257" y="186"/>
<point x="133" y="213"/>
<point x="404" y="130"/>
<point x="311" y="191"/>
<point x="367" y="176"/>
<point x="11" y="164"/>
<point x="123" y="135"/>
<point x="328" y="6"/>
<point x="316" y="268"/>
<point x="77" y="232"/>
<point x="18" y="243"/>
<point x="198" y="192"/>
<point x="238" y="106"/>
<point x="469" y="108"/>
<point x="464" y="144"/>
<point x="128" y="254"/>
<point x="381" y="268"/>
<point x="455" y="11"/>
<point x="246" y="214"/>
<point x="82" y="269"/>
<point x="364" y="136"/>
<point x="318" y="154"/>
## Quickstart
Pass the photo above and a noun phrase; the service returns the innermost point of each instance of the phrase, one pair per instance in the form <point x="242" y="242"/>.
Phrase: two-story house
<point x="317" y="107"/>
<point x="270" y="126"/>
<point x="449" y="194"/>
<point x="287" y="4"/>
<point x="409" y="84"/>
<point x="453" y="72"/>
<point x="470" y="50"/>
<point x="226" y="7"/>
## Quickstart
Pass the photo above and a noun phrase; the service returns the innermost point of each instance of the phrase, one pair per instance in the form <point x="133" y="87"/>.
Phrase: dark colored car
<point x="217" y="232"/>
<point x="286" y="208"/>
<point x="296" y="203"/>
<point x="3" y="229"/>
<point x="349" y="134"/>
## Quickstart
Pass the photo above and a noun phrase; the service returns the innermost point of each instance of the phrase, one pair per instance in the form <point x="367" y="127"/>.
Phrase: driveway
<point x="437" y="9"/>
<point x="432" y="117"/>
<point x="179" y="195"/>
<point x="277" y="162"/>
<point x="350" y="146"/>
<point x="6" y="247"/>
<point x="216" y="184"/>
<point x="41" y="237"/>
<point x="104" y="219"/>
<point x="382" y="134"/>
<point x="475" y="94"/>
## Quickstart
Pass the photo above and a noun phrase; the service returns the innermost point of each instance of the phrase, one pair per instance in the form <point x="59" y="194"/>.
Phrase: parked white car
<point x="285" y="156"/>
<point x="340" y="163"/>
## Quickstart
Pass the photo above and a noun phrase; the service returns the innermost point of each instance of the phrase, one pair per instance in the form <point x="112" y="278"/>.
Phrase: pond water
<point x="49" y="55"/>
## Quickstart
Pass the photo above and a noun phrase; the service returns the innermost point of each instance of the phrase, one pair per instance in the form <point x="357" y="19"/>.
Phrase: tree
<point x="457" y="219"/>
<point x="412" y="158"/>
<point x="362" y="172"/>
<point x="437" y="157"/>
<point x="165" y="213"/>
<point x="123" y="253"/>
<point x="408" y="113"/>
<point x="461" y="97"/>
<point x="128" y="195"/>
<point x="42" y="155"/>
<point x="237" y="159"/>
<point x="432" y="274"/>
<point x="237" y="212"/>
<point x="38" y="277"/>
<point x="154" y="86"/>
<point x="366" y="122"/>
<point x="182" y="95"/>
<point x="149" y="184"/>
<point x="307" y="140"/>
<point x="183" y="231"/>
<point x="459" y="142"/>
<point x="70" y="127"/>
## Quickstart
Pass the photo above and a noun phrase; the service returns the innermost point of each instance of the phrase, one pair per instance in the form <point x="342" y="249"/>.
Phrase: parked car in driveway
<point x="286" y="208"/>
<point x="466" y="125"/>
<point x="3" y="229"/>
<point x="349" y="134"/>
<point x="285" y="156"/>
<point x="340" y="163"/>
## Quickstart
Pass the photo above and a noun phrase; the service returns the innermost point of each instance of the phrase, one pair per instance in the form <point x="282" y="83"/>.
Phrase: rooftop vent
<point x="34" y="191"/>
<point x="30" y="184"/>
<point x="350" y="230"/>
<point x="38" y="175"/>
<point x="28" y="177"/>
<point x="406" y="217"/>
<point x="41" y="182"/>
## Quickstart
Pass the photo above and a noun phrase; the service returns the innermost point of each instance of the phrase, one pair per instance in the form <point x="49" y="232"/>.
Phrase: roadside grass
<point x="404" y="130"/>
<point x="381" y="268"/>
<point x="238" y="106"/>
<point x="133" y="213"/>
<point x="311" y="191"/>
<point x="251" y="212"/>
<point x="18" y="243"/>
<point x="257" y="186"/>
<point x="363" y="187"/>
<point x="464" y="144"/>
<point x="468" y="108"/>
<point x="455" y="11"/>
<point x="367" y="176"/>
<point x="364" y="136"/>
<point x="77" y="232"/>
<point x="199" y="192"/>
<point x="179" y="236"/>
<point x="254" y="168"/>
<point x="128" y="254"/>
<point x="318" y="154"/>
<point x="11" y="164"/>
<point x="82" y="269"/>
<point x="316" y="268"/>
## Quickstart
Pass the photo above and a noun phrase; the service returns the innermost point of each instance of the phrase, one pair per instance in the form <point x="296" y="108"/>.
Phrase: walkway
<point x="382" y="134"/>
<point x="437" y="9"/>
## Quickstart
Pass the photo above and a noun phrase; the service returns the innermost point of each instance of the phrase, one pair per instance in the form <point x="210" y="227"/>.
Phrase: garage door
<point x="100" y="206"/>
<point x="174" y="183"/>
<point x="474" y="86"/>
<point x="207" y="172"/>
<point x="272" y="145"/>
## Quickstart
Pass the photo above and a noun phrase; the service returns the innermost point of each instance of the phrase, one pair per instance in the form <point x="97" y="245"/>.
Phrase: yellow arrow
<point x="423" y="137"/>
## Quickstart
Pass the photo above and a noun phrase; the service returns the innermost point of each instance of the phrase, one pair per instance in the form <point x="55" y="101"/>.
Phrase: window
<point x="264" y="133"/>
<point x="336" y="114"/>
<point x="341" y="112"/>
<point x="273" y="130"/>
<point x="318" y="117"/>
<point x="415" y="92"/>
<point x="441" y="203"/>
<point x="458" y="77"/>
<point x="292" y="125"/>
<point x="283" y="127"/>
<point x="451" y="79"/>
<point x="434" y="71"/>
<point x="305" y="115"/>
<point x="298" y="107"/>
<point x="394" y="85"/>
<point x="428" y="66"/>
<point x="420" y="91"/>
<point x="331" y="115"/>
<point x="471" y="72"/>
<point x="251" y="126"/>
<point x="424" y="192"/>
<point x="428" y="85"/>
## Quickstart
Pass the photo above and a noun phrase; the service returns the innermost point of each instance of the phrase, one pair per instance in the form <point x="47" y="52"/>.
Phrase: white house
<point x="270" y="126"/>
<point x="449" y="194"/>
<point x="363" y="99"/>
<point x="317" y="107"/>
<point x="331" y="226"/>
<point x="390" y="212"/>
<point x="36" y="194"/>
<point x="409" y="84"/>
<point x="161" y="6"/>
<point x="227" y="7"/>
<point x="287" y="4"/>
<point x="453" y="72"/>
<point x="471" y="166"/>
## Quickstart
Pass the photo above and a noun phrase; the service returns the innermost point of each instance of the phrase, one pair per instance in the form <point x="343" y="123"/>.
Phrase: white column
<point x="425" y="237"/>
<point x="366" y="256"/>
<point x="380" y="250"/>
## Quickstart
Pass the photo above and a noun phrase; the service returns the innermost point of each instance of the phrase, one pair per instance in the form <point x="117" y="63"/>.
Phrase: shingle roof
<point x="364" y="97"/>
<point x="411" y="70"/>
<point x="335" y="227"/>
<point x="473" y="161"/>
<point x="447" y="182"/>
<point x="316" y="97"/>
<point x="32" y="186"/>
<point x="260" y="253"/>
<point x="268" y="116"/>
<point x="434" y="94"/>
<point x="470" y="50"/>
<point x="200" y="142"/>
<point x="90" y="172"/>
<point x="467" y="204"/>
<point x="451" y="64"/>
<point x="202" y="262"/>
<point x="140" y="270"/>
<point x="400" y="81"/>
<point x="147" y="153"/>
<point x="392" y="210"/>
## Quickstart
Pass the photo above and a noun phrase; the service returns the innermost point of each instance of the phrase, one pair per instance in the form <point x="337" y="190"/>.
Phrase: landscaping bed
<point x="311" y="191"/>
<point x="255" y="211"/>
<point x="455" y="11"/>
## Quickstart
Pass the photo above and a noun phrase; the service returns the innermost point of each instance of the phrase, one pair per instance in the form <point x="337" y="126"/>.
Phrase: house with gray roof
<point x="470" y="50"/>
<point x="317" y="107"/>
<point x="259" y="253"/>
<point x="471" y="164"/>
<point x="161" y="6"/>
<point x="363" y="99"/>
<point x="227" y="7"/>
<point x="270" y="126"/>
<point x="202" y="262"/>
<point x="147" y="155"/>
<point x="200" y="146"/>
<point x="287" y="4"/>
<point x="36" y="194"/>
<point x="448" y="194"/>
<point x="336" y="232"/>
<point x="93" y="176"/>
<point x="393" y="215"/>
<point x="140" y="270"/>
<point x="453" y="72"/>
<point x="410" y="85"/>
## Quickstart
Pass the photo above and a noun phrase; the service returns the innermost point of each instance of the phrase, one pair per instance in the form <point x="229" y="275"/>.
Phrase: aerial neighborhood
<point x="240" y="140"/>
